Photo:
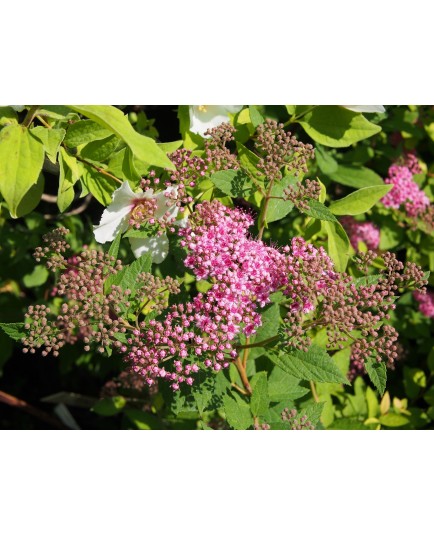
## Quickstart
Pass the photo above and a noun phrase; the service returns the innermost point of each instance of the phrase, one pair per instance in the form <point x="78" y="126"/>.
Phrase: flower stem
<point x="99" y="169"/>
<point x="243" y="375"/>
<point x="239" y="389"/>
<point x="314" y="393"/>
<point x="246" y="352"/>
<point x="33" y="110"/>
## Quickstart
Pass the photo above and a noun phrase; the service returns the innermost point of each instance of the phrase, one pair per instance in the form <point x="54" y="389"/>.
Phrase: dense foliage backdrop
<point x="315" y="349"/>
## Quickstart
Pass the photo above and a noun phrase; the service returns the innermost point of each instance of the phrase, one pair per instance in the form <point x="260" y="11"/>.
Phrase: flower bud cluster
<point x="90" y="314"/>
<point x="344" y="306"/>
<point x="295" y="420"/>
<point x="217" y="154"/>
<point x="53" y="251"/>
<point x="278" y="148"/>
<point x="301" y="193"/>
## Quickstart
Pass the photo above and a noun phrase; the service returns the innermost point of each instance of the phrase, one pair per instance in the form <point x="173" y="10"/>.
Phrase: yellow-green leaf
<point x="359" y="201"/>
<point x="144" y="148"/>
<point x="335" y="126"/>
<point x="21" y="159"/>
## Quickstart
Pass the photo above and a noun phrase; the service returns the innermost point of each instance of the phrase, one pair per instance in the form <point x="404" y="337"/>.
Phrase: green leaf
<point x="37" y="277"/>
<point x="325" y="161"/>
<point x="313" y="412"/>
<point x="143" y="420"/>
<point x="237" y="412"/>
<point x="127" y="278"/>
<point x="122" y="166"/>
<point x="260" y="400"/>
<point x="114" y="246"/>
<point x="85" y="131"/>
<point x="283" y="386"/>
<point x="99" y="185"/>
<point x="32" y="198"/>
<point x="359" y="201"/>
<point x="414" y="381"/>
<point x="269" y="328"/>
<point x="138" y="233"/>
<point x="338" y="244"/>
<point x="65" y="193"/>
<point x="248" y="160"/>
<point x="8" y="116"/>
<point x="377" y="374"/>
<point x="347" y="423"/>
<point x="233" y="182"/>
<point x="202" y="398"/>
<point x="391" y="235"/>
<point x="21" y="159"/>
<point x="367" y="280"/>
<point x="342" y="359"/>
<point x="393" y="420"/>
<point x="335" y="126"/>
<point x="319" y="211"/>
<point x="51" y="139"/>
<point x="372" y="402"/>
<point x="279" y="208"/>
<point x="170" y="147"/>
<point x="109" y="406"/>
<point x="315" y="365"/>
<point x="255" y="116"/>
<point x="144" y="148"/>
<point x="100" y="150"/>
<point x="15" y="330"/>
<point x="355" y="176"/>
<point x="73" y="164"/>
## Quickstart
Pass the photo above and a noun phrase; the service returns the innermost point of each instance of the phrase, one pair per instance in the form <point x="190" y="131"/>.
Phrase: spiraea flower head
<point x="405" y="192"/>
<point x="426" y="302"/>
<point x="361" y="231"/>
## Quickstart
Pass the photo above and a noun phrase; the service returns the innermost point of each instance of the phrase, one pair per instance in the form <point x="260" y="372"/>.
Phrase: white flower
<point x="204" y="117"/>
<point x="115" y="219"/>
<point x="366" y="108"/>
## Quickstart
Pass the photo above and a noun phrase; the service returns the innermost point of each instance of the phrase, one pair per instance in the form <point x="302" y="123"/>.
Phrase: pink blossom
<point x="244" y="272"/>
<point x="405" y="191"/>
<point x="426" y="302"/>
<point x="359" y="231"/>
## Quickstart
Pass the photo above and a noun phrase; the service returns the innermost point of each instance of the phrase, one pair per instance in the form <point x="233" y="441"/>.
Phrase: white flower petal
<point x="203" y="118"/>
<point x="233" y="108"/>
<point x="183" y="222"/>
<point x="114" y="217"/>
<point x="162" y="208"/>
<point x="158" y="246"/>
<point x="366" y="108"/>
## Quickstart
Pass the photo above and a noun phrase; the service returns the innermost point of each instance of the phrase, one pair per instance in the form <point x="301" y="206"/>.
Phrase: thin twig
<point x="239" y="389"/>
<point x="99" y="169"/>
<point x="81" y="208"/>
<point x="314" y="393"/>
<point x="30" y="115"/>
<point x="11" y="400"/>
<point x="49" y="198"/>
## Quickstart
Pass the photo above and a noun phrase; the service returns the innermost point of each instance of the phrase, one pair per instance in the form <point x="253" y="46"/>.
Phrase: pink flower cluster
<point x="244" y="272"/>
<point x="359" y="231"/>
<point x="405" y="191"/>
<point x="426" y="302"/>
